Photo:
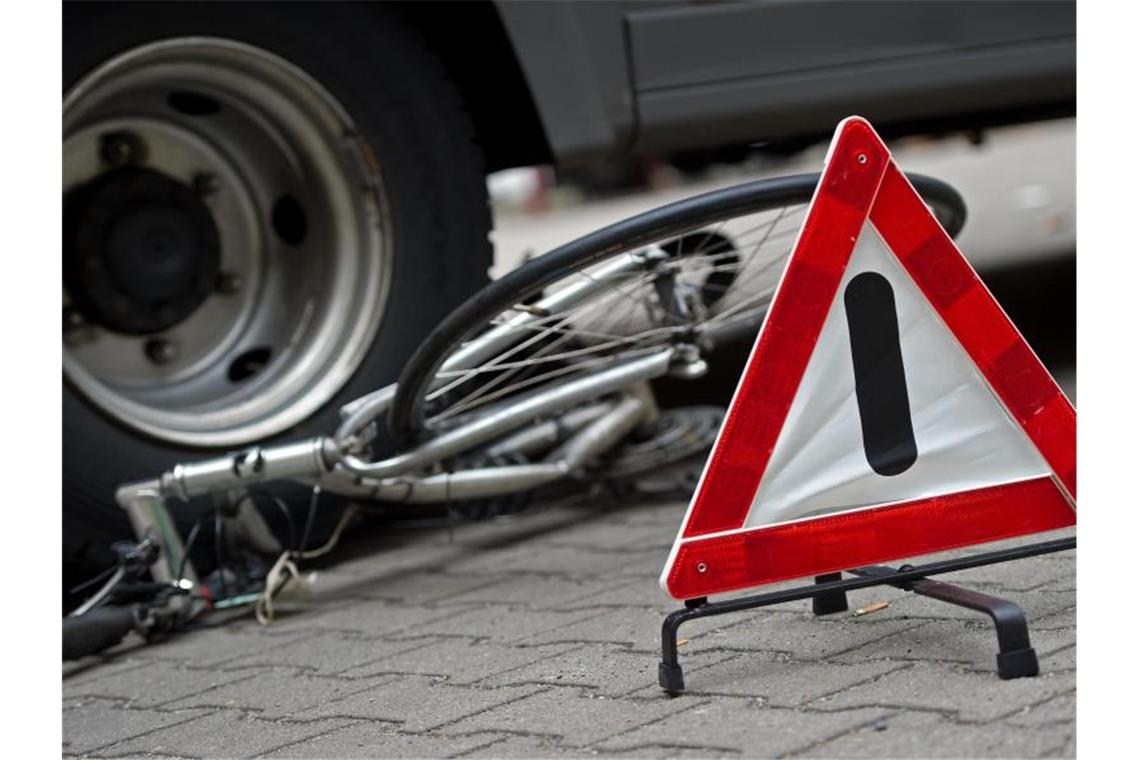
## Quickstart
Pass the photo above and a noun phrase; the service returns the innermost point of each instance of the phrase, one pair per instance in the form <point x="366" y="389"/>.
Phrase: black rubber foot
<point x="829" y="604"/>
<point x="671" y="678"/>
<point x="1021" y="663"/>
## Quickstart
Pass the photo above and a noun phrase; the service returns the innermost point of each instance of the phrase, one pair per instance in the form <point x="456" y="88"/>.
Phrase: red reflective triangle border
<point x="860" y="182"/>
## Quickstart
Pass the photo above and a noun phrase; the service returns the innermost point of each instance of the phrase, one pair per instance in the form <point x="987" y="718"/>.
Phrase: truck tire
<point x="266" y="207"/>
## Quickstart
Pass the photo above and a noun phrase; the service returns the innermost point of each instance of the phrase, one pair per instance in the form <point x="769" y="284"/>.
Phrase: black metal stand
<point x="1015" y="658"/>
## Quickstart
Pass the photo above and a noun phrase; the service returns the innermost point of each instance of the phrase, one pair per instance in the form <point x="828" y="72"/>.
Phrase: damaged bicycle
<point x="541" y="382"/>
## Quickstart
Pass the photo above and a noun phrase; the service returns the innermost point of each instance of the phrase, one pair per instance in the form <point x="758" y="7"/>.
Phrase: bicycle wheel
<point x="685" y="274"/>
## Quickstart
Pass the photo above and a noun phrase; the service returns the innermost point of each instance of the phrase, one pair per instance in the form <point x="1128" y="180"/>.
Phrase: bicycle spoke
<point x="539" y="357"/>
<point x="644" y="301"/>
<point x="551" y="375"/>
<point x="625" y="316"/>
<point x="724" y="252"/>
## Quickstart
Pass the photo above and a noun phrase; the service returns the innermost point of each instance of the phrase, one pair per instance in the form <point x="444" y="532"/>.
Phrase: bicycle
<point x="542" y="378"/>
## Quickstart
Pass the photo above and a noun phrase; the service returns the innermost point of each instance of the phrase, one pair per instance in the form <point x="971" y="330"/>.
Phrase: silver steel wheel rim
<point x="301" y="292"/>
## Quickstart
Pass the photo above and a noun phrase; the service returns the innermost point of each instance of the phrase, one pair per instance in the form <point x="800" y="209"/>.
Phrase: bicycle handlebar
<point x="99" y="629"/>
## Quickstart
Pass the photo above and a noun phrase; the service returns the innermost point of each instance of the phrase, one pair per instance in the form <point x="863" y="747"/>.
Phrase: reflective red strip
<point x="861" y="181"/>
<point x="964" y="303"/>
<point x="781" y="354"/>
<point x="705" y="566"/>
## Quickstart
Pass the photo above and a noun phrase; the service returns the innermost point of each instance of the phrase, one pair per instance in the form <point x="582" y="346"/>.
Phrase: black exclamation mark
<point x="880" y="382"/>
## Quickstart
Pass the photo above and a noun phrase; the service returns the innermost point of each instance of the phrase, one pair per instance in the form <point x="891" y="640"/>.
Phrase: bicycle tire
<point x="405" y="416"/>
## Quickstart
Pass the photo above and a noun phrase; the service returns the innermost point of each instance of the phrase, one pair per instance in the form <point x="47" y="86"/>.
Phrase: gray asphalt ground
<point x="538" y="635"/>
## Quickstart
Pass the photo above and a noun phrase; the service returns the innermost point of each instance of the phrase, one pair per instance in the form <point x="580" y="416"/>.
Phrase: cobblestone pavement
<point x="537" y="636"/>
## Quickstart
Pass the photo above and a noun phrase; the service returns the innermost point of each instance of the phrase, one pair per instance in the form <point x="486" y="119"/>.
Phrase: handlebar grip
<point x="96" y="630"/>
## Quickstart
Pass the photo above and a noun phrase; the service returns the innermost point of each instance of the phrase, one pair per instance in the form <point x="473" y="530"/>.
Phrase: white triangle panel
<point x="964" y="438"/>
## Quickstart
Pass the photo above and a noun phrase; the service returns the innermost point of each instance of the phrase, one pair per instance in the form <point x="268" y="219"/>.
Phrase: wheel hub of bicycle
<point x="681" y="433"/>
<point x="141" y="252"/>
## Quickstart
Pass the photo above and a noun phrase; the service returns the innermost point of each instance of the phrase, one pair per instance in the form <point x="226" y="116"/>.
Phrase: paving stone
<point x="339" y="585"/>
<point x="906" y="606"/>
<point x="419" y="704"/>
<point x="400" y="561"/>
<point x="1036" y="604"/>
<point x="1065" y="619"/>
<point x="460" y="661"/>
<point x="1058" y="660"/>
<point x="646" y="564"/>
<point x="806" y="636"/>
<point x="364" y="617"/>
<point x="93" y="723"/>
<point x="326" y="654"/>
<point x="627" y="592"/>
<point x="1069" y="555"/>
<point x="278" y="693"/>
<point x="778" y="681"/>
<point x="427" y="589"/>
<point x="536" y="592"/>
<point x="1065" y="582"/>
<point x="222" y="645"/>
<point x="92" y="668"/>
<point x="666" y="515"/>
<point x="154" y="684"/>
<point x="800" y="634"/>
<point x="1060" y="709"/>
<point x="502" y="624"/>
<point x="1018" y="575"/>
<point x="635" y="628"/>
<point x="973" y="643"/>
<point x="229" y="733"/>
<point x="563" y="561"/>
<point x="577" y="716"/>
<point x="864" y="597"/>
<point x="445" y="542"/>
<point x="542" y="639"/>
<point x="741" y="725"/>
<point x="369" y="739"/>
<point x="970" y="696"/>
<point x="535" y="527"/>
<point x="903" y="605"/>
<point x="908" y="735"/>
<point x="1043" y="603"/>
<point x="596" y="537"/>
<point x="662" y="750"/>
<point x="522" y="747"/>
<point x="608" y="670"/>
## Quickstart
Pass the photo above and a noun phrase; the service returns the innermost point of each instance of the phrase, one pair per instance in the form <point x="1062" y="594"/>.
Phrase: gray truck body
<point x="611" y="78"/>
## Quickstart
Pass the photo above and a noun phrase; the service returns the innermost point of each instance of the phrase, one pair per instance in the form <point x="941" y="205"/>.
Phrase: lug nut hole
<point x="249" y="363"/>
<point x="193" y="103"/>
<point x="289" y="220"/>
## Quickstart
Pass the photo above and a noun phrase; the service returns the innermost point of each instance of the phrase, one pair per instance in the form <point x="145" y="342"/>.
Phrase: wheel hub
<point x="226" y="255"/>
<point x="142" y="251"/>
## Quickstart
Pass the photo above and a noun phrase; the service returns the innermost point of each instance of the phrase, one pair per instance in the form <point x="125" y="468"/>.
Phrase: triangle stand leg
<point x="1015" y="659"/>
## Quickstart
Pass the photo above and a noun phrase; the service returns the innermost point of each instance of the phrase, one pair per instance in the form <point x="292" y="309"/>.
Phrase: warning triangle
<point x="889" y="407"/>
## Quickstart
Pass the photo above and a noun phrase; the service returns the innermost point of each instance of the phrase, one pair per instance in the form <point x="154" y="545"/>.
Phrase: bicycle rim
<point x="711" y="265"/>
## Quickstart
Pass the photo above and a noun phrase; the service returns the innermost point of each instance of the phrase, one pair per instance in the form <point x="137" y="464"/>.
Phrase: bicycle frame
<point x="556" y="429"/>
<point x="572" y="421"/>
